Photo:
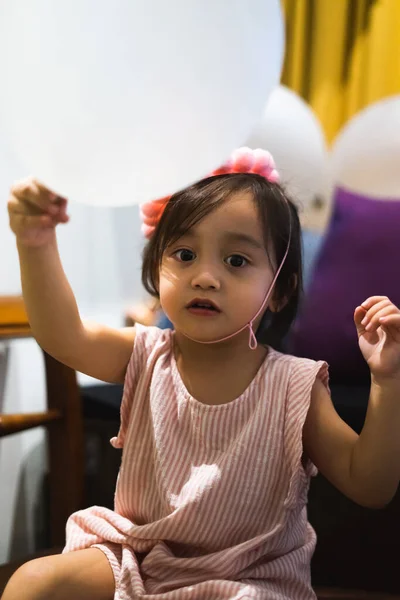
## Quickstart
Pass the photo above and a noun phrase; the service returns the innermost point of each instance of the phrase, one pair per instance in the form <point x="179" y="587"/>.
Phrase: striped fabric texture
<point x="210" y="500"/>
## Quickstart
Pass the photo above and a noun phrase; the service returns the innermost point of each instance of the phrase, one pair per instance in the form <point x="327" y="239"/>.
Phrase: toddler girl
<point x="220" y="431"/>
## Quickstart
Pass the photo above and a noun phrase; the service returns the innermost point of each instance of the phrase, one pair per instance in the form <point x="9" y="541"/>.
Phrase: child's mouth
<point x="203" y="308"/>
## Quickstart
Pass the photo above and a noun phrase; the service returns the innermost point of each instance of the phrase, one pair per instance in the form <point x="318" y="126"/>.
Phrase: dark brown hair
<point x="280" y="222"/>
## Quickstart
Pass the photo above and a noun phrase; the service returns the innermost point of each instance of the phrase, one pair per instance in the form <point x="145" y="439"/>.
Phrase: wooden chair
<point x="64" y="425"/>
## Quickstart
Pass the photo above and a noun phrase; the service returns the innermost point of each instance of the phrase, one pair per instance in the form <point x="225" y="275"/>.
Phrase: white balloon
<point x="294" y="136"/>
<point x="10" y="171"/>
<point x="366" y="154"/>
<point x="119" y="102"/>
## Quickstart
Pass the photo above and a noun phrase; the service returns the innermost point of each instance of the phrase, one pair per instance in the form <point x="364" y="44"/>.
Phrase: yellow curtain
<point x="342" y="55"/>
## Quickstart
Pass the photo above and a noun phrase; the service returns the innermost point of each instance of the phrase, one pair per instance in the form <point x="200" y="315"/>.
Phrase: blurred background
<point x="337" y="147"/>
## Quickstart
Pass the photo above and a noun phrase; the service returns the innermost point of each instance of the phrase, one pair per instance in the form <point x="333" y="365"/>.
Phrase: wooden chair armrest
<point x="8" y="332"/>
<point x="12" y="311"/>
<point x="10" y="424"/>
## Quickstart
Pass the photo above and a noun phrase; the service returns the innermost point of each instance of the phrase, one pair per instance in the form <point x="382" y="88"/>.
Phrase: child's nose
<point x="206" y="278"/>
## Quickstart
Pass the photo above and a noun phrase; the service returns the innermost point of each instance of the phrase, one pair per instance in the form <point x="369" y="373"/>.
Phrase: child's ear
<point x="278" y="304"/>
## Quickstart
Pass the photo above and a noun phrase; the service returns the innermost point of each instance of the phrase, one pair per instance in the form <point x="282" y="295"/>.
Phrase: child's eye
<point x="236" y="260"/>
<point x="184" y="255"/>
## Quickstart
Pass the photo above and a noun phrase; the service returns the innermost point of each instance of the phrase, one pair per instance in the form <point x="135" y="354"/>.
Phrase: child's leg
<point x="80" y="575"/>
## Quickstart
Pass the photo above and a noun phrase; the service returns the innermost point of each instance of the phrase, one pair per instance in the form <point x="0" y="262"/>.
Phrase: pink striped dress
<point x="210" y="501"/>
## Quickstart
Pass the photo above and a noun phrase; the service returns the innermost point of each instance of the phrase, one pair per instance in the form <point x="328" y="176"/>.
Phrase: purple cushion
<point x="359" y="258"/>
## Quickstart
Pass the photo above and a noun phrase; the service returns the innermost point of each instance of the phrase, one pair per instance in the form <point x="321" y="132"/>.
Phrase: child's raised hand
<point x="378" y="327"/>
<point x="34" y="212"/>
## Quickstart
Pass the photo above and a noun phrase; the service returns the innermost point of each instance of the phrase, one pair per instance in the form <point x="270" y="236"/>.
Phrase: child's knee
<point x="34" y="580"/>
<point x="81" y="575"/>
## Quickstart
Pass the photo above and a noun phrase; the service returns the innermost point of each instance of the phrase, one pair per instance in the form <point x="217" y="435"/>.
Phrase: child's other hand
<point x="34" y="212"/>
<point x="378" y="327"/>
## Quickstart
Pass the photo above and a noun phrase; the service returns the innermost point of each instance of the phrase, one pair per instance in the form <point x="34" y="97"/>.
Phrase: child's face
<point x="222" y="259"/>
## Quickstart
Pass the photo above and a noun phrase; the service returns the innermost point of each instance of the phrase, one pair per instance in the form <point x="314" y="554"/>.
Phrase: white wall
<point x="101" y="251"/>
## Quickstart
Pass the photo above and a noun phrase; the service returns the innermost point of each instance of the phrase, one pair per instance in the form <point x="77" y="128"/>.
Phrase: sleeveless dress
<point x="210" y="501"/>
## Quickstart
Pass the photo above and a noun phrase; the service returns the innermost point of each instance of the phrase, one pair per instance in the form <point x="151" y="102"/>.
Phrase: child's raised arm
<point x="53" y="314"/>
<point x="365" y="468"/>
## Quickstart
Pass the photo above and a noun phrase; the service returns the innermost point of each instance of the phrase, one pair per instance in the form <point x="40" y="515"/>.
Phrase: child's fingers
<point x="359" y="315"/>
<point x="36" y="195"/>
<point x="21" y="223"/>
<point x="60" y="219"/>
<point x="16" y="208"/>
<point x="374" y="322"/>
<point x="62" y="213"/>
<point x="392" y="321"/>
<point x="391" y="325"/>
<point x="375" y="309"/>
<point x="27" y="191"/>
<point x="369" y="302"/>
<point x="42" y="188"/>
